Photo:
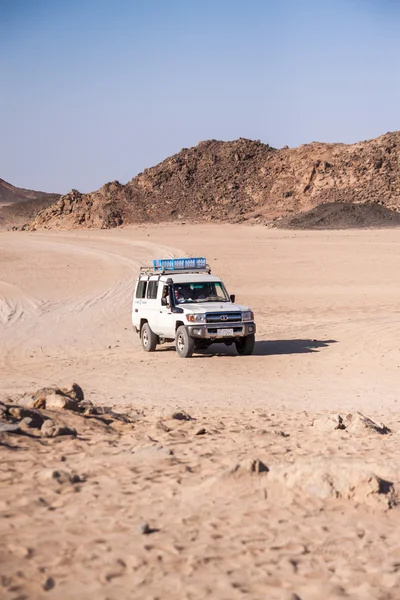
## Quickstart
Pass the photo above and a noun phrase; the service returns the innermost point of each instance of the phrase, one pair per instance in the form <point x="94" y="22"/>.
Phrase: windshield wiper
<point x="213" y="299"/>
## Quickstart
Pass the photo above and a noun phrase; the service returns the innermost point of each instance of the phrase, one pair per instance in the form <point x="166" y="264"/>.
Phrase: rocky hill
<point x="237" y="181"/>
<point x="341" y="215"/>
<point x="18" y="205"/>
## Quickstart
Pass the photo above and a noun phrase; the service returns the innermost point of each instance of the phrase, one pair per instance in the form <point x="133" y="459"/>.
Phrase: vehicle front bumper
<point x="211" y="331"/>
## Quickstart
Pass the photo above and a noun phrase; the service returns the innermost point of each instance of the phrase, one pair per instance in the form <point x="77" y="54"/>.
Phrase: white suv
<point x="179" y="300"/>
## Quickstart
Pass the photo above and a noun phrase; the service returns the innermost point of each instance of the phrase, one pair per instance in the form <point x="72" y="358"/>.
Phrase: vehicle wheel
<point x="149" y="338"/>
<point x="245" y="345"/>
<point x="184" y="343"/>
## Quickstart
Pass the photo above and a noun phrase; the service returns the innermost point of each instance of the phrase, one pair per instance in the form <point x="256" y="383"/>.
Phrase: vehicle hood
<point x="210" y="307"/>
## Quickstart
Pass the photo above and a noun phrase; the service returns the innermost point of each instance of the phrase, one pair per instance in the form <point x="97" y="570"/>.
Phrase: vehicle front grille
<point x="223" y="318"/>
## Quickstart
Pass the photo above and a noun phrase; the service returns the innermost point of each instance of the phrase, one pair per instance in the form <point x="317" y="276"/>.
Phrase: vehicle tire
<point x="149" y="338"/>
<point x="184" y="343"/>
<point x="245" y="345"/>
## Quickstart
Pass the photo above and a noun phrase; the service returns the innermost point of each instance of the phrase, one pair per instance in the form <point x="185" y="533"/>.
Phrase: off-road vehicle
<point x="180" y="300"/>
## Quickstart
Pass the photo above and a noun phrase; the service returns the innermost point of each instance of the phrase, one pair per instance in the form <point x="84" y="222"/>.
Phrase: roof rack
<point x="152" y="271"/>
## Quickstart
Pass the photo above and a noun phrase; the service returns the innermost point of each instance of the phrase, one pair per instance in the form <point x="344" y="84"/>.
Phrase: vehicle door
<point x="139" y="307"/>
<point x="165" y="317"/>
<point x="152" y="304"/>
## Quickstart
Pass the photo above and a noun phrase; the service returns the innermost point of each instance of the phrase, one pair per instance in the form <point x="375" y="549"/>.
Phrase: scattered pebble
<point x="144" y="528"/>
<point x="49" y="584"/>
<point x="181" y="415"/>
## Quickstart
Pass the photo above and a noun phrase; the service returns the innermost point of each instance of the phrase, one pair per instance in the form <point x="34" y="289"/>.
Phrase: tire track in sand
<point x="83" y="312"/>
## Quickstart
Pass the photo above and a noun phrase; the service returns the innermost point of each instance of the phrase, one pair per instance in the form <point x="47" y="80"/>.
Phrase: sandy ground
<point x="320" y="523"/>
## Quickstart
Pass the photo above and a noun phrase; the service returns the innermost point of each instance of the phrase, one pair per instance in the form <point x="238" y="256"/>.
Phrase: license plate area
<point x="225" y="332"/>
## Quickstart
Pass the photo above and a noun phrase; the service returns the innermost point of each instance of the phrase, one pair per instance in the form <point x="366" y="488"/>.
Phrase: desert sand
<point x="253" y="492"/>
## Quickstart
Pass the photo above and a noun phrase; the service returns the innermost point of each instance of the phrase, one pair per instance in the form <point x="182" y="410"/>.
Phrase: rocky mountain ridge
<point x="239" y="181"/>
<point x="17" y="205"/>
<point x="9" y="194"/>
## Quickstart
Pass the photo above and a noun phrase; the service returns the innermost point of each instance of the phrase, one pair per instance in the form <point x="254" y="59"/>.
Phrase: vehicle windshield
<point x="209" y="291"/>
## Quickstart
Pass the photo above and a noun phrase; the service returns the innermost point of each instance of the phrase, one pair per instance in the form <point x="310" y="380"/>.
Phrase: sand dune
<point x="319" y="521"/>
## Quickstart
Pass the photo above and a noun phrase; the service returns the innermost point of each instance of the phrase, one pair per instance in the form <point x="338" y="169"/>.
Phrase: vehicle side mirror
<point x="176" y="309"/>
<point x="232" y="297"/>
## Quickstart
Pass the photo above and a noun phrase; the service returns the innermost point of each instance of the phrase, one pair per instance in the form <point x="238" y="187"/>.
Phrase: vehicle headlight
<point x="196" y="318"/>
<point x="247" y="315"/>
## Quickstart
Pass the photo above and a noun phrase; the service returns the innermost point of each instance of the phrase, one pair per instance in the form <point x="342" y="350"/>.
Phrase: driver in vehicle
<point x="178" y="296"/>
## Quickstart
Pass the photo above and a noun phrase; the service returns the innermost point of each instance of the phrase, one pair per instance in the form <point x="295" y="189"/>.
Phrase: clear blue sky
<point x="97" y="90"/>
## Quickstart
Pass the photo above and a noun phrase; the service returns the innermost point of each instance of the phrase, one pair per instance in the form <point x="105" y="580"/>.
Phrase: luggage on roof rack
<point x="178" y="265"/>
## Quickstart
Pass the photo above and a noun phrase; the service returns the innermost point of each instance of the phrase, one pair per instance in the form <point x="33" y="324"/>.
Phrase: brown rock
<point x="145" y="529"/>
<point x="48" y="584"/>
<point x="56" y="401"/>
<point x="181" y="415"/>
<point x="9" y="427"/>
<point x="161" y="425"/>
<point x="359" y="422"/>
<point x="329" y="423"/>
<point x="26" y="426"/>
<point x="254" y="466"/>
<point x="56" y="398"/>
<point x="50" y="429"/>
<point x="336" y="478"/>
<point x="30" y="401"/>
<point x="35" y="416"/>
<point x="74" y="391"/>
<point x="248" y="466"/>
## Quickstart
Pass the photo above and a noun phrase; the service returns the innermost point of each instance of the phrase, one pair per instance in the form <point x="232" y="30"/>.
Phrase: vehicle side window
<point x="152" y="290"/>
<point x="141" y="289"/>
